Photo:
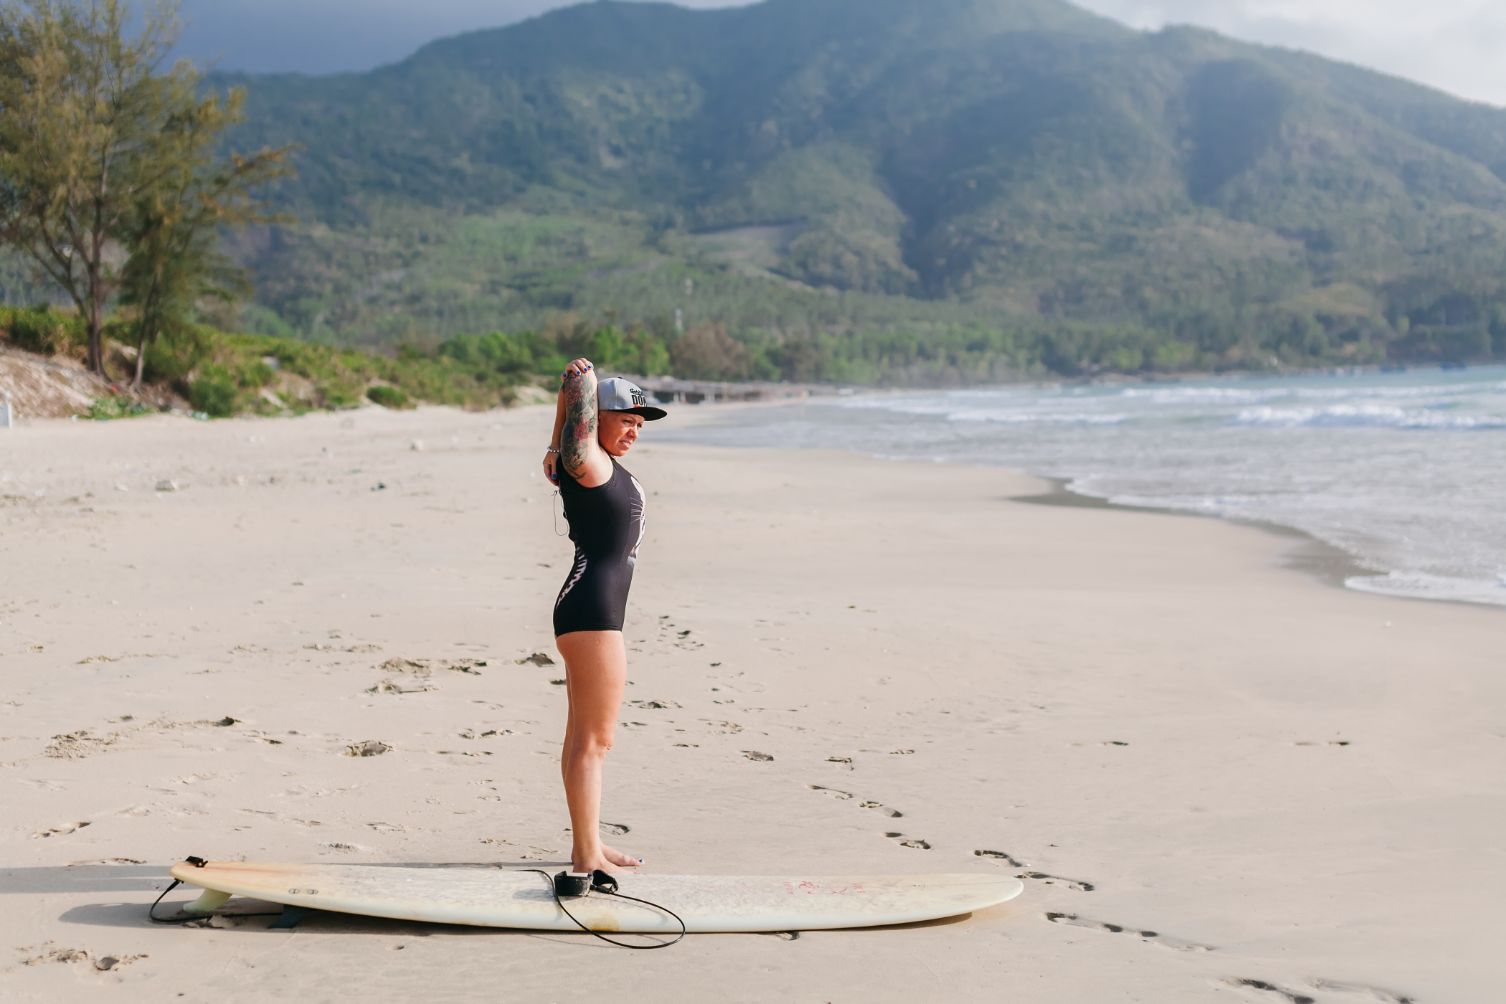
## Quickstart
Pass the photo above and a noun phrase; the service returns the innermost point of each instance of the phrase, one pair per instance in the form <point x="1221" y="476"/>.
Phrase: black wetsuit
<point x="606" y="524"/>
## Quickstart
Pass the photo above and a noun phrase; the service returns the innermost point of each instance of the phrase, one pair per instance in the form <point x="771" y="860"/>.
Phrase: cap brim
<point x="648" y="412"/>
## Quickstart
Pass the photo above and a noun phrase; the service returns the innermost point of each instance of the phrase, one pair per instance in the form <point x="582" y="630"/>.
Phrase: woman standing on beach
<point x="595" y="424"/>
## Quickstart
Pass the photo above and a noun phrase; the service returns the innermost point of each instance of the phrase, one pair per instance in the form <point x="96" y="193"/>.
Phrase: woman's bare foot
<point x="620" y="859"/>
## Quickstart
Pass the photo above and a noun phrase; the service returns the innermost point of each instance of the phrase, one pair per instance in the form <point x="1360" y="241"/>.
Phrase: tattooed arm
<point x="580" y="454"/>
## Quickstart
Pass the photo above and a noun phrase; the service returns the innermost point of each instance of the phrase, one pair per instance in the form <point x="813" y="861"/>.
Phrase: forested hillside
<point x="910" y="184"/>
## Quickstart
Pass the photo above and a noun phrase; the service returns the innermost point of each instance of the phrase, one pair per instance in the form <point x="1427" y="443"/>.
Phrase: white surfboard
<point x="484" y="896"/>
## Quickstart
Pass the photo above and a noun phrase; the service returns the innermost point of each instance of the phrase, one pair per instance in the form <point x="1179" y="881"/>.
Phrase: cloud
<point x="1454" y="45"/>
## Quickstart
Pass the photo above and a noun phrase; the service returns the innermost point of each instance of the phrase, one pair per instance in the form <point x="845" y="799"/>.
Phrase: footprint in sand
<point x="103" y="963"/>
<point x="912" y="842"/>
<point x="1150" y="937"/>
<point x="1004" y="856"/>
<point x="1077" y="884"/>
<point x="1265" y="987"/>
<point x="760" y="757"/>
<point x="616" y="829"/>
<point x="62" y="830"/>
<point x="867" y="804"/>
<point x="1332" y="986"/>
<point x="282" y="818"/>
<point x="680" y="638"/>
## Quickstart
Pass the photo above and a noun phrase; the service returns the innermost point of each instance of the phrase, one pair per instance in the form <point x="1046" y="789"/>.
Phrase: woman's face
<point x="617" y="431"/>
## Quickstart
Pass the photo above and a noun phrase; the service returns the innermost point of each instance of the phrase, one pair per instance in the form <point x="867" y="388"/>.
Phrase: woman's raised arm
<point x="580" y="454"/>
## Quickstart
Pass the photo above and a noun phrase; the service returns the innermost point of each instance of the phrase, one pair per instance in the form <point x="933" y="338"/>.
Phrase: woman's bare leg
<point x="595" y="677"/>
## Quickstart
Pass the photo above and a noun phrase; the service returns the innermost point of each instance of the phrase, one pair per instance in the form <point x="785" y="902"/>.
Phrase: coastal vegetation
<point x="855" y="191"/>
<point x="888" y="190"/>
<point x="111" y="181"/>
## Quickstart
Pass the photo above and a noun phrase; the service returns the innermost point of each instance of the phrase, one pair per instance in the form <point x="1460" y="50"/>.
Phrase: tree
<point x="173" y="233"/>
<point x="94" y="144"/>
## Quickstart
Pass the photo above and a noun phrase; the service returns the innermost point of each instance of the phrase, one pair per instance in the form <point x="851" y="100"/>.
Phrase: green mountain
<point x="861" y="166"/>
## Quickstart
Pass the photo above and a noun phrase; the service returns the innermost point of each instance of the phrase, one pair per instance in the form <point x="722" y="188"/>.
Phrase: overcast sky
<point x="1456" y="45"/>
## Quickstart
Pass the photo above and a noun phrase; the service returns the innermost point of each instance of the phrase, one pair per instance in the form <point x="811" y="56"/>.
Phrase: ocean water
<point x="1404" y="471"/>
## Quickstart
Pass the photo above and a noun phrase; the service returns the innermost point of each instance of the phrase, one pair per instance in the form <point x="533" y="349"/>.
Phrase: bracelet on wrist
<point x="552" y="449"/>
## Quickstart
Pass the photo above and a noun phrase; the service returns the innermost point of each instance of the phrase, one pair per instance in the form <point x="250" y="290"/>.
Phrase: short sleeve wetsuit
<point x="606" y="524"/>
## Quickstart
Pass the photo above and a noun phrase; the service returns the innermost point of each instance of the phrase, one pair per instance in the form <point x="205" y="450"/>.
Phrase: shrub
<point x="213" y="391"/>
<point x="175" y="355"/>
<point x="41" y="329"/>
<point x="114" y="406"/>
<point x="387" y="397"/>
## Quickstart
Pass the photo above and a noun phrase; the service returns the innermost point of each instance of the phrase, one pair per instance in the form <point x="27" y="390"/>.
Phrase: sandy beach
<point x="1221" y="777"/>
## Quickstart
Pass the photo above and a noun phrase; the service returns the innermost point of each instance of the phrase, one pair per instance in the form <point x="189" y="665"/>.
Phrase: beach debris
<point x="845" y="761"/>
<point x="757" y="756"/>
<point x="537" y="659"/>
<point x="371" y="747"/>
<point x="226" y="722"/>
<point x="417" y="446"/>
<point x="654" y="705"/>
<point x="167" y="485"/>
<point x="558" y="683"/>
<point x="380" y="486"/>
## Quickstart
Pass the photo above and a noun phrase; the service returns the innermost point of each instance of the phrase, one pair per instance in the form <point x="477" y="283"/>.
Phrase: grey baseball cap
<point x="621" y="394"/>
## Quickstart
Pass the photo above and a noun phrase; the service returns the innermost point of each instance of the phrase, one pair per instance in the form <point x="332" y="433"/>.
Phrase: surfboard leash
<point x="600" y="881"/>
<point x="151" y="911"/>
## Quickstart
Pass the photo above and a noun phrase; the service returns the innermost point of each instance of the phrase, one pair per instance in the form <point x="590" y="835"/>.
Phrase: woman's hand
<point x="551" y="466"/>
<point x="577" y="367"/>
